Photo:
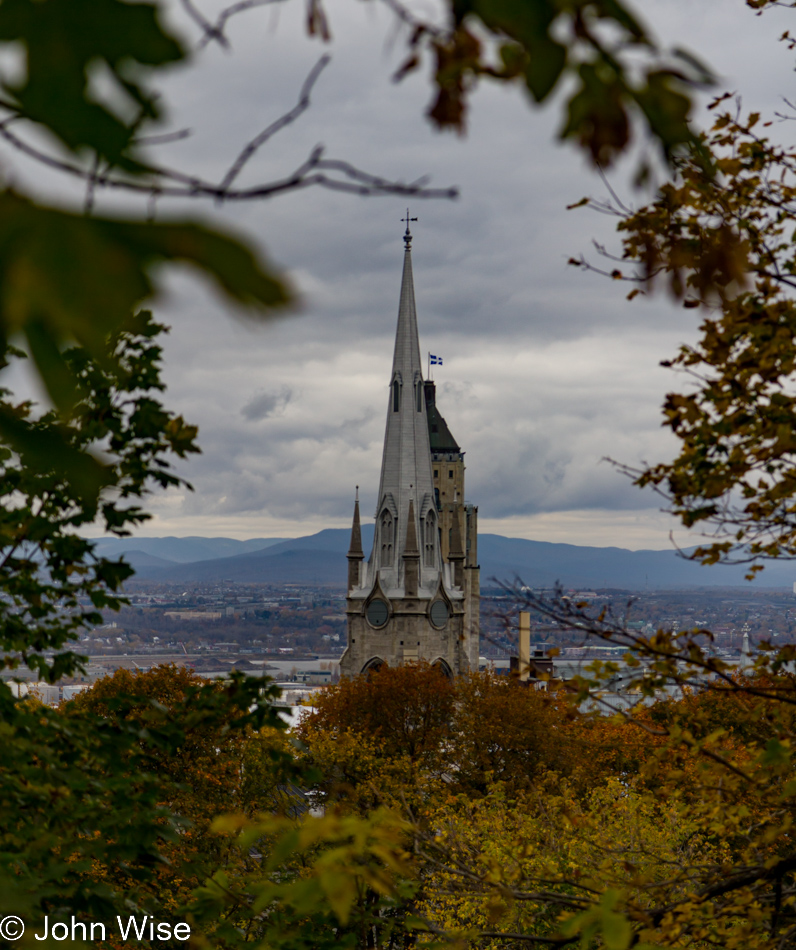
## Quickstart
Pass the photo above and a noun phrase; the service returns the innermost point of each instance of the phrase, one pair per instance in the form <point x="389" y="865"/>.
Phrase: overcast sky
<point x="546" y="369"/>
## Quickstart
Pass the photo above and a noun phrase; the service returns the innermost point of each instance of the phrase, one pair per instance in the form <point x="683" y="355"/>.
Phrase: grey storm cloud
<point x="262" y="405"/>
<point x="547" y="369"/>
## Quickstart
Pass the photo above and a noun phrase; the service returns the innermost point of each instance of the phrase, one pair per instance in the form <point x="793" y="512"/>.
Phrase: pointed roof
<point x="406" y="355"/>
<point x="406" y="461"/>
<point x="355" y="548"/>
<point x="440" y="437"/>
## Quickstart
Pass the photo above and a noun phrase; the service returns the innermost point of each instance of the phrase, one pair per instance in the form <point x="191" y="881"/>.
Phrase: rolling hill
<point x="319" y="560"/>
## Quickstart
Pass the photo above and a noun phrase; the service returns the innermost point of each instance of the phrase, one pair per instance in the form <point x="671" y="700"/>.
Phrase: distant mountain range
<point x="184" y="550"/>
<point x="319" y="560"/>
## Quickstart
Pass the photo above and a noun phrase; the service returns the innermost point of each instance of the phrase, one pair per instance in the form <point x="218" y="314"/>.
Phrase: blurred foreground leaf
<point x="66" y="43"/>
<point x="66" y="278"/>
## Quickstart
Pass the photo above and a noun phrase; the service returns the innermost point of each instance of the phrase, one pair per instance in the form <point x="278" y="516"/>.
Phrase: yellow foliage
<point x="527" y="866"/>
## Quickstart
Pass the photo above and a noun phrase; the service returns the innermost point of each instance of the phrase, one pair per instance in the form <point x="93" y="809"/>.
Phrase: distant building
<point x="316" y="677"/>
<point x="417" y="597"/>
<point x="531" y="665"/>
<point x="193" y="614"/>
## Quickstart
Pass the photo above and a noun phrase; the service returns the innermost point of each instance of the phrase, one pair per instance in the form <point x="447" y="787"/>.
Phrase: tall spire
<point x="406" y="461"/>
<point x="355" y="553"/>
<point x="355" y="549"/>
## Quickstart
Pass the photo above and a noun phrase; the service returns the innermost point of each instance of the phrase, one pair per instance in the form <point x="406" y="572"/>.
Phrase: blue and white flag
<point x="435" y="360"/>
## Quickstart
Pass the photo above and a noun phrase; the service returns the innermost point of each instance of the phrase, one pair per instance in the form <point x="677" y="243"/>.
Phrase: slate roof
<point x="439" y="435"/>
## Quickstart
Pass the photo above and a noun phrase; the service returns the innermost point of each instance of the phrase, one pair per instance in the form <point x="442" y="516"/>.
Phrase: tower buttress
<point x="411" y="555"/>
<point x="456" y="554"/>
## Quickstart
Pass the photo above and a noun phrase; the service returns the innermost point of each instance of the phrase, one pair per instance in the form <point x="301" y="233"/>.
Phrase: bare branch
<point x="166" y="138"/>
<point x="620" y="204"/>
<point x="160" y="181"/>
<point x="169" y="183"/>
<point x="216" y="30"/>
<point x="209" y="31"/>
<point x="405" y="16"/>
<point x="615" y="274"/>
<point x="301" y="106"/>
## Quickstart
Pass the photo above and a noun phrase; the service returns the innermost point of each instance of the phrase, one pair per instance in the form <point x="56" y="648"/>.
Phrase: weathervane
<point x="408" y="234"/>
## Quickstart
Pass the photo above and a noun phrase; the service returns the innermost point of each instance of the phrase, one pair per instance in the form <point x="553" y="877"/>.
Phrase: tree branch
<point x="214" y="32"/>
<point x="161" y="181"/>
<point x="301" y="106"/>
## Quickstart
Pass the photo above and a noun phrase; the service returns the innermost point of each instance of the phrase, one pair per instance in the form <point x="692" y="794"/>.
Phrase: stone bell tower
<point x="417" y="596"/>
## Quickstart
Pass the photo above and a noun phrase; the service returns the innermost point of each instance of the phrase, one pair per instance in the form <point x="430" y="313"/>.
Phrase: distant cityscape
<point x="295" y="634"/>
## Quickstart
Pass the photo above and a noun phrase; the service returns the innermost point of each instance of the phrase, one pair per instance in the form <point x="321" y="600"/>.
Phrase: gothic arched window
<point x="396" y="395"/>
<point x="429" y="536"/>
<point x="387" y="532"/>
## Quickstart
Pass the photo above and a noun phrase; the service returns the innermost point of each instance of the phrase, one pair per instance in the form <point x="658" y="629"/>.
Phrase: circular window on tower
<point x="439" y="613"/>
<point x="377" y="613"/>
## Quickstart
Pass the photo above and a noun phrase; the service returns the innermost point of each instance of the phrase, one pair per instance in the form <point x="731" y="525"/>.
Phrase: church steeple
<point x="406" y="479"/>
<point x="411" y="601"/>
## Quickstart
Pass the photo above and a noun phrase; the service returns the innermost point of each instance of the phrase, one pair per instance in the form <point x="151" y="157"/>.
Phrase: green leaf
<point x="597" y="116"/>
<point x="64" y="41"/>
<point x="340" y="891"/>
<point x="617" y="11"/>
<point x="547" y="62"/>
<point x="523" y="21"/>
<point x="65" y="278"/>
<point x="667" y="110"/>
<point x="529" y="24"/>
<point x="54" y="370"/>
<point x="775" y="753"/>
<point x="47" y="449"/>
<point x="230" y="263"/>
<point x="617" y="931"/>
